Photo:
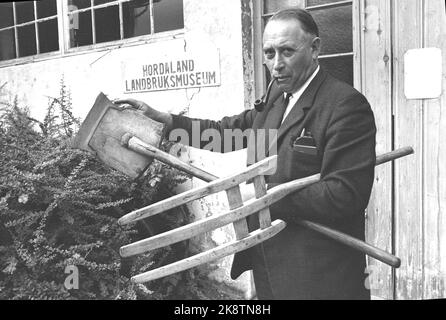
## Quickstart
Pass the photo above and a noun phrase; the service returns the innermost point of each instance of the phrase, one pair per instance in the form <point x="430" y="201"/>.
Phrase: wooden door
<point x="420" y="184"/>
<point x="406" y="211"/>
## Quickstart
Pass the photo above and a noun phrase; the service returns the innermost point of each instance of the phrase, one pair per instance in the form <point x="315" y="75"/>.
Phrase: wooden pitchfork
<point x="238" y="211"/>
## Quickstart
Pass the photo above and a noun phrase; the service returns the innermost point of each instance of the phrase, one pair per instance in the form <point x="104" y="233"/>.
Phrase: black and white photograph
<point x="238" y="151"/>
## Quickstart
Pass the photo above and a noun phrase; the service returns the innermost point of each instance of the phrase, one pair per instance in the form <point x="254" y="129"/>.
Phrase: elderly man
<point x="326" y="126"/>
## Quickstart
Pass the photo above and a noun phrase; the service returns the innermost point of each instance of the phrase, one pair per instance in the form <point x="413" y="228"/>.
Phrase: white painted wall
<point x="208" y="24"/>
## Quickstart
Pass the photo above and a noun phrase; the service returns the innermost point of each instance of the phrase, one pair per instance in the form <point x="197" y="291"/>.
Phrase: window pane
<point x="7" y="45"/>
<point x="46" y="8"/>
<point x="78" y="4"/>
<point x="107" y="24"/>
<point x="335" y="28"/>
<point x="80" y="29"/>
<point x="168" y="15"/>
<point x="48" y="36"/>
<point x="272" y="6"/>
<point x="136" y="19"/>
<point x="341" y="68"/>
<point x="311" y="3"/>
<point x="27" y="40"/>
<point x="24" y="11"/>
<point x="6" y="15"/>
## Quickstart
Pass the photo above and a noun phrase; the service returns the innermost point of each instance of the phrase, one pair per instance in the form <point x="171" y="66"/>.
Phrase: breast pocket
<point x="302" y="163"/>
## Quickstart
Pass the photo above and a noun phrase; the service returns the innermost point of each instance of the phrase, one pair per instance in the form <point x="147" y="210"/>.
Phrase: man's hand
<point x="148" y="111"/>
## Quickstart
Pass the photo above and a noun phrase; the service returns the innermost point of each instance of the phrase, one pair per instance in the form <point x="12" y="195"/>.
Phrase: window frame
<point x="258" y="19"/>
<point x="64" y="37"/>
<point x="34" y="22"/>
<point x="115" y="43"/>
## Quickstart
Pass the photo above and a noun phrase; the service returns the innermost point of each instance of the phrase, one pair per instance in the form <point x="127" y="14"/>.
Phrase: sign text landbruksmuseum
<point x="171" y="73"/>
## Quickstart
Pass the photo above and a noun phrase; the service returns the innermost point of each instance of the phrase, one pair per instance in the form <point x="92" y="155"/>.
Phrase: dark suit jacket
<point x="302" y="264"/>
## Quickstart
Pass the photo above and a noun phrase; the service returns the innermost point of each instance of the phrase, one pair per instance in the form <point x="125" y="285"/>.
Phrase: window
<point x="97" y="21"/>
<point x="28" y="28"/>
<point x="334" y="19"/>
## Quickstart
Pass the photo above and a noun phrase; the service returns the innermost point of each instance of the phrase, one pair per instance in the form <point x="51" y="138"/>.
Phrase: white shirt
<point x="296" y="95"/>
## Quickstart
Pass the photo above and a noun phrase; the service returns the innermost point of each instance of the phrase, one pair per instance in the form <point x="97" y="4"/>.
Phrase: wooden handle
<point x="143" y="148"/>
<point x="393" y="155"/>
<point x="354" y="243"/>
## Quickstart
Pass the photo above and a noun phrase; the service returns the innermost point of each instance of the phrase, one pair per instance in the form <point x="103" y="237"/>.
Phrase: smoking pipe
<point x="260" y="104"/>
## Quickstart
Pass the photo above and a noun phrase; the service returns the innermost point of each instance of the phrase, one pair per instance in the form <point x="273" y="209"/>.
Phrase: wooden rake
<point x="237" y="214"/>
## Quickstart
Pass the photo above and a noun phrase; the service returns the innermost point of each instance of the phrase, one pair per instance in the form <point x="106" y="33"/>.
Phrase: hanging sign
<point x="179" y="71"/>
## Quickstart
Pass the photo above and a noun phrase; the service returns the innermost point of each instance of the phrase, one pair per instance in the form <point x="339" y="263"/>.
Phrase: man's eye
<point x="269" y="54"/>
<point x="288" y="52"/>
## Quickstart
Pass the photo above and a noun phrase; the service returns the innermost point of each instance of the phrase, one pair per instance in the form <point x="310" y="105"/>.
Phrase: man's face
<point x="290" y="53"/>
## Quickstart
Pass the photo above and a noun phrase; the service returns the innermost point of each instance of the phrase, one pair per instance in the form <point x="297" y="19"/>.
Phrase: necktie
<point x="275" y="115"/>
<point x="284" y="107"/>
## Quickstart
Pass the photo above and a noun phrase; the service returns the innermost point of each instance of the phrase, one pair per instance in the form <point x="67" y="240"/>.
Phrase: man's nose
<point x="278" y="62"/>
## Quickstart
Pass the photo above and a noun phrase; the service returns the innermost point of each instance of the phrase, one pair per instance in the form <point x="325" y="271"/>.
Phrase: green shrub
<point x="59" y="207"/>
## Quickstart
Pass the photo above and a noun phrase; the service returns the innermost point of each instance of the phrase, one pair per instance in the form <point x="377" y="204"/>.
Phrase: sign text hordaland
<point x="189" y="72"/>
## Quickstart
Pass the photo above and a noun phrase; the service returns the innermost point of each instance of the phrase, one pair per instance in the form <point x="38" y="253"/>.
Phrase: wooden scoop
<point x="103" y="128"/>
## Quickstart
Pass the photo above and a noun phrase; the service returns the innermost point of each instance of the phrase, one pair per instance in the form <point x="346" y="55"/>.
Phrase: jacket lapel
<point x="302" y="105"/>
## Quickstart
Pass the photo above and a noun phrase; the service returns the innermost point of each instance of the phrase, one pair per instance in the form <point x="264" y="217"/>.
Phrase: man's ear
<point x="316" y="47"/>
